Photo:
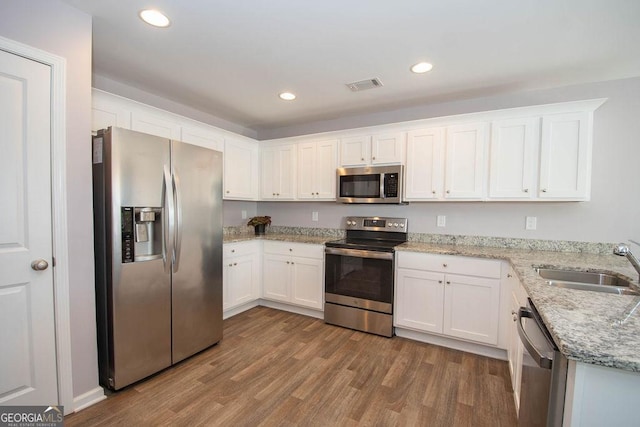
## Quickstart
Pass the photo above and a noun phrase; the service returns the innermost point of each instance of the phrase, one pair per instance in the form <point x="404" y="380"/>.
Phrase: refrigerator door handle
<point x="168" y="221"/>
<point x="178" y="219"/>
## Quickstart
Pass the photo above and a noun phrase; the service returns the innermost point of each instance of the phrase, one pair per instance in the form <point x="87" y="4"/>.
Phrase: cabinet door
<point x="387" y="148"/>
<point x="155" y="125"/>
<point x="278" y="172"/>
<point x="355" y="151"/>
<point x="472" y="308"/>
<point x="325" y="169"/>
<point x="515" y="350"/>
<point x="202" y="137"/>
<point x="419" y="300"/>
<point x="512" y="155"/>
<point x="245" y="277"/>
<point x="425" y="161"/>
<point x="565" y="157"/>
<point x="227" y="279"/>
<point x="240" y="170"/>
<point x="308" y="282"/>
<point x="307" y="170"/>
<point x="464" y="172"/>
<point x="276" y="277"/>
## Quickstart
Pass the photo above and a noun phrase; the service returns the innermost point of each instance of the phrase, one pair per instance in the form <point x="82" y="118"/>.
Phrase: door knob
<point x="39" y="265"/>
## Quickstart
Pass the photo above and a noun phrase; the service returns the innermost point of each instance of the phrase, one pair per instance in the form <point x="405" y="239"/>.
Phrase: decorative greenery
<point x="260" y="220"/>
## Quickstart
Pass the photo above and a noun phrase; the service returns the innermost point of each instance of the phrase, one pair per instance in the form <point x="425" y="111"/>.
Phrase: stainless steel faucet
<point x="623" y="250"/>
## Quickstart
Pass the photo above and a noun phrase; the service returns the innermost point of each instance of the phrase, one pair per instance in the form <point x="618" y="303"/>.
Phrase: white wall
<point x="55" y="27"/>
<point x="612" y="215"/>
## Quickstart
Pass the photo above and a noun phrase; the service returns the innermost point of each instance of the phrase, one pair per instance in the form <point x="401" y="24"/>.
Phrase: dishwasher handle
<point x="541" y="360"/>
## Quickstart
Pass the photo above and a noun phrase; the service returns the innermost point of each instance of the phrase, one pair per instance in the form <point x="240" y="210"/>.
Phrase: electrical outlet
<point x="531" y="223"/>
<point x="244" y="214"/>
<point x="441" y="221"/>
<point x="314" y="216"/>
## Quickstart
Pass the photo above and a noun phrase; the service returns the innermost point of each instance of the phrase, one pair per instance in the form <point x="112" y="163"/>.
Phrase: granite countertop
<point x="294" y="238"/>
<point x="590" y="327"/>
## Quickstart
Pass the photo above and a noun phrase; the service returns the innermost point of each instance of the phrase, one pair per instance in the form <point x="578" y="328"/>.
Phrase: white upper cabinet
<point x="464" y="159"/>
<point x="202" y="136"/>
<point x="565" y="156"/>
<point x="425" y="164"/>
<point x="278" y="179"/>
<point x="513" y="154"/>
<point x="107" y="113"/>
<point x="446" y="163"/>
<point x="372" y="150"/>
<point x="153" y="124"/>
<point x="317" y="163"/>
<point x="240" y="170"/>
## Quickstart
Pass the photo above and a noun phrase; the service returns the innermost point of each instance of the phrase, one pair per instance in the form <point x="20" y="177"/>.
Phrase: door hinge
<point x="53" y="261"/>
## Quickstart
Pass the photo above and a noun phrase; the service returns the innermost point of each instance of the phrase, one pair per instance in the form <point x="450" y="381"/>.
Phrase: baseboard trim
<point x="88" y="399"/>
<point x="237" y="310"/>
<point x="318" y="314"/>
<point x="469" y="347"/>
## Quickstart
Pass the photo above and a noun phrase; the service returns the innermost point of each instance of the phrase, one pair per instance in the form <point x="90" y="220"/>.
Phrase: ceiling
<point x="232" y="58"/>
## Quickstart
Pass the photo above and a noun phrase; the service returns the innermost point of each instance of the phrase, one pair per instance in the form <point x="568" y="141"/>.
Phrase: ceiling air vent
<point x="364" y="84"/>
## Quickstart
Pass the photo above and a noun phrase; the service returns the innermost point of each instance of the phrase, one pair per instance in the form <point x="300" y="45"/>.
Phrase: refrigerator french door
<point x="158" y="247"/>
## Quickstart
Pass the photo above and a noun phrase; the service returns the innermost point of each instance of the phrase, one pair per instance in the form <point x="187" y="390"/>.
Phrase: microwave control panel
<point x="391" y="185"/>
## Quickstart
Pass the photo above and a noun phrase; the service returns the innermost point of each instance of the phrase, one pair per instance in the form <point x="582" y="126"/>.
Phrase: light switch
<point x="441" y="221"/>
<point x="244" y="214"/>
<point x="314" y="216"/>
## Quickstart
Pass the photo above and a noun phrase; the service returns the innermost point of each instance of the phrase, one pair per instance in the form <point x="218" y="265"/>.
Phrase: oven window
<point x="360" y="186"/>
<point x="366" y="278"/>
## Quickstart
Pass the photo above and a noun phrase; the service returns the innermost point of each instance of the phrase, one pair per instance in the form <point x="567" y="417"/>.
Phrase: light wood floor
<point x="274" y="368"/>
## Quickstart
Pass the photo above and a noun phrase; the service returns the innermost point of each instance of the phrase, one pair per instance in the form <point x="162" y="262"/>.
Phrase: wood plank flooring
<point x="275" y="368"/>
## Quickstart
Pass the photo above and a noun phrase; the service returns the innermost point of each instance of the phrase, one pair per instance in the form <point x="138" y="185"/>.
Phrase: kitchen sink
<point x="587" y="281"/>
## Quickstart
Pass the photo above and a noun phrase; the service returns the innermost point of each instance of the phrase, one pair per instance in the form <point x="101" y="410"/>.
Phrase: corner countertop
<point x="590" y="327"/>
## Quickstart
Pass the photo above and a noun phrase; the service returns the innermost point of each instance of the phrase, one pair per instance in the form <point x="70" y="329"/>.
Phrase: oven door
<point x="359" y="278"/>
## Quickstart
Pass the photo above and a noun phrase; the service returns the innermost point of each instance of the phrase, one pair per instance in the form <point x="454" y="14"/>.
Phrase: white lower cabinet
<point x="293" y="273"/>
<point x="439" y="294"/>
<point x="241" y="273"/>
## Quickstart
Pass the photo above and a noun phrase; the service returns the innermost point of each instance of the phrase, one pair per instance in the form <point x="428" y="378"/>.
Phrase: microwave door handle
<point x="382" y="195"/>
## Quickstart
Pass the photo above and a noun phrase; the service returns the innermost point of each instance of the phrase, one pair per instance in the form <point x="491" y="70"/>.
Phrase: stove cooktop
<point x="366" y="244"/>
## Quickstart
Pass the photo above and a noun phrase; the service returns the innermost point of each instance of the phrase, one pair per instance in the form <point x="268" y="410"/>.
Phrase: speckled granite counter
<point x="588" y="327"/>
<point x="295" y="238"/>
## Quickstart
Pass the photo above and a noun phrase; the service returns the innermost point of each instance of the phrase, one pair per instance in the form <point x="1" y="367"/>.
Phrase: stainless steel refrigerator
<point x="158" y="249"/>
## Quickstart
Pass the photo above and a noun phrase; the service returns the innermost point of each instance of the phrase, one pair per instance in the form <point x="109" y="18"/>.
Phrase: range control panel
<point x="376" y="223"/>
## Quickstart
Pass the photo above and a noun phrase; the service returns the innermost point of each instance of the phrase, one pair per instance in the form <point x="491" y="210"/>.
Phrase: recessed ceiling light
<point x="155" y="18"/>
<point x="421" y="67"/>
<point x="287" y="96"/>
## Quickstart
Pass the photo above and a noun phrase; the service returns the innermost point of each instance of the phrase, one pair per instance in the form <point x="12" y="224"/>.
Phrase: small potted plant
<point x="259" y="223"/>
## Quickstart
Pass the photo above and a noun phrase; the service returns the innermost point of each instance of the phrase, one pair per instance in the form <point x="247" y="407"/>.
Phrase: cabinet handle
<point x="291" y="262"/>
<point x="439" y="281"/>
<point x="448" y="191"/>
<point x="235" y="263"/>
<point x="287" y="262"/>
<point x="444" y="265"/>
<point x="290" y="250"/>
<point x="373" y="158"/>
<point x="362" y="159"/>
<point x="544" y="190"/>
<point x="448" y="282"/>
<point x="509" y="275"/>
<point x="233" y="250"/>
<point x="227" y="191"/>
<point x="433" y="191"/>
<point x="230" y="265"/>
<point x="526" y="190"/>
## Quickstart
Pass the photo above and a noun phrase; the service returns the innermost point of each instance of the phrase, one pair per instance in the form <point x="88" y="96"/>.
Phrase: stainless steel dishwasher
<point x="544" y="372"/>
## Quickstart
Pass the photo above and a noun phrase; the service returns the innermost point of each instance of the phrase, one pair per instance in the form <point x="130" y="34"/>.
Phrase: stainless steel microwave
<point x="374" y="184"/>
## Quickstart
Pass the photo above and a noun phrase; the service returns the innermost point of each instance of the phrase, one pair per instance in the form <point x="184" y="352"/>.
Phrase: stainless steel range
<point x="359" y="274"/>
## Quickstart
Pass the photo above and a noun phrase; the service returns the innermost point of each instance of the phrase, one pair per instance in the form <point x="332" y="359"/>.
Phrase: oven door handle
<point x="359" y="253"/>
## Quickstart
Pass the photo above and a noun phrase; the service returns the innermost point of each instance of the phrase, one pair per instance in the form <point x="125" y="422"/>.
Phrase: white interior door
<point x="27" y="330"/>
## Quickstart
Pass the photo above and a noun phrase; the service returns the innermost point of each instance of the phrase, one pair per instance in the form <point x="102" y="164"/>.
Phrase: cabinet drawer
<point x="239" y="248"/>
<point x="304" y="250"/>
<point x="449" y="264"/>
